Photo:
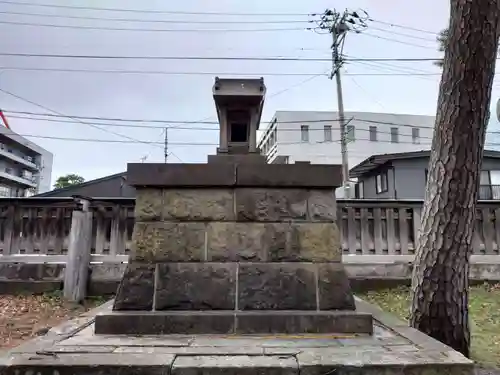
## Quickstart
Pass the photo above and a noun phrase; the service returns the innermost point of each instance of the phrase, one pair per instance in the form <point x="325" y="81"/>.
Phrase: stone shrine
<point x="235" y="246"/>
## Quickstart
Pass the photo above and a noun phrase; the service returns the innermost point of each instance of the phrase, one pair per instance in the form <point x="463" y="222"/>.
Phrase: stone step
<point x="233" y="322"/>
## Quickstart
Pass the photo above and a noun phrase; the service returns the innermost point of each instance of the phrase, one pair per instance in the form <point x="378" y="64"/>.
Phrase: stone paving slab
<point x="86" y="364"/>
<point x="393" y="349"/>
<point x="229" y="365"/>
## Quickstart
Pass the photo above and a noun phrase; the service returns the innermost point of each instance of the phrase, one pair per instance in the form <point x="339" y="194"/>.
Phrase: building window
<point x="304" y="133"/>
<point x="382" y="182"/>
<point x="275" y="132"/>
<point x="4" y="191"/>
<point x="415" y="135"/>
<point x="328" y="133"/>
<point x="373" y="133"/>
<point x="394" y="135"/>
<point x="350" y="136"/>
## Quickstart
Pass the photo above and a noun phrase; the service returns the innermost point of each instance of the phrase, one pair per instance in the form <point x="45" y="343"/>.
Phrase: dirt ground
<point x="26" y="316"/>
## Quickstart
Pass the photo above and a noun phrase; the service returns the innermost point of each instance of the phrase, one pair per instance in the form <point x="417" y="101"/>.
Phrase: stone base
<point x="231" y="322"/>
<point x="393" y="349"/>
<point x="235" y="286"/>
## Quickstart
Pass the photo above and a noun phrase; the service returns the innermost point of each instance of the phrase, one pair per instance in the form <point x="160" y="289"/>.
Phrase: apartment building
<point x="25" y="168"/>
<point x="315" y="136"/>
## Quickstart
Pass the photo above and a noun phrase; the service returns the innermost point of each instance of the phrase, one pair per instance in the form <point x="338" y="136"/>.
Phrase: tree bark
<point x="441" y="273"/>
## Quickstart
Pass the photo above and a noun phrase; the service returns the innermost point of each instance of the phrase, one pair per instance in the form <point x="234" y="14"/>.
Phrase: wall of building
<point x="407" y="178"/>
<point x="370" y="185"/>
<point x="22" y="147"/>
<point x="318" y="150"/>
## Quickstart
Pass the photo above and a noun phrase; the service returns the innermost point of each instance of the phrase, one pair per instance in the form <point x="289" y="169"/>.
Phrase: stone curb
<point x="401" y="327"/>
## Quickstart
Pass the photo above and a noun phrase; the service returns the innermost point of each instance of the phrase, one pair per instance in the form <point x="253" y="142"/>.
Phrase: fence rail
<point x="41" y="226"/>
<point x="36" y="226"/>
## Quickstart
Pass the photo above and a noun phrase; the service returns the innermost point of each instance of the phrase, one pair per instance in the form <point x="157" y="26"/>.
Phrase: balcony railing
<point x="489" y="192"/>
<point x="19" y="159"/>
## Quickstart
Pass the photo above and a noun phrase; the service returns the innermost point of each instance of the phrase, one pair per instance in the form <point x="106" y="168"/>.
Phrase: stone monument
<point x="235" y="246"/>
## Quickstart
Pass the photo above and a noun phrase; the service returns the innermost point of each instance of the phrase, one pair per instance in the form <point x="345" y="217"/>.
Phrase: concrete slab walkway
<point x="73" y="348"/>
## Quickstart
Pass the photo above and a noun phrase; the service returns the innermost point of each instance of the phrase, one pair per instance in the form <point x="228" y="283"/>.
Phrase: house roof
<point x="86" y="183"/>
<point x="376" y="161"/>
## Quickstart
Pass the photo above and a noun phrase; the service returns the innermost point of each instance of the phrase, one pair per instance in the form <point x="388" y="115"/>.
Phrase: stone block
<point x="180" y="175"/>
<point x="294" y="322"/>
<point x="198" y="204"/>
<point x="307" y="176"/>
<point x="253" y="204"/>
<point x="322" y="205"/>
<point x="165" y="323"/>
<point x="168" y="242"/>
<point x="148" y="204"/>
<point x="237" y="242"/>
<point x="90" y="364"/>
<point x="334" y="288"/>
<point x="136" y="288"/>
<point x="276" y="286"/>
<point x="312" y="242"/>
<point x="235" y="365"/>
<point x="195" y="286"/>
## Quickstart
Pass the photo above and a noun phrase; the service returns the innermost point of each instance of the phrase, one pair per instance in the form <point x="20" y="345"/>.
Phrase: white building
<point x="25" y="168"/>
<point x="315" y="136"/>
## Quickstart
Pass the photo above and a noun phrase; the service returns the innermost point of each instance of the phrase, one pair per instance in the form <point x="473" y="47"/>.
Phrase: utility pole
<point x="338" y="25"/>
<point x="165" y="150"/>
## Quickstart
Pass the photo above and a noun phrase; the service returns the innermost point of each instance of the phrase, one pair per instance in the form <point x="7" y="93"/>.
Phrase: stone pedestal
<point x="234" y="248"/>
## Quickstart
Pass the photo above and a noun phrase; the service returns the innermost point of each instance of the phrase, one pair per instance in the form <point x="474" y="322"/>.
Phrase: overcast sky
<point x="188" y="97"/>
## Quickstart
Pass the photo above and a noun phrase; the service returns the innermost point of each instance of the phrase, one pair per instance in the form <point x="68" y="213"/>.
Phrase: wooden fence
<point x="41" y="226"/>
<point x="40" y="237"/>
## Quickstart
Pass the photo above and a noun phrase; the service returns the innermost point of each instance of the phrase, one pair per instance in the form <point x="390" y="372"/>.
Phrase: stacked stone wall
<point x="235" y="249"/>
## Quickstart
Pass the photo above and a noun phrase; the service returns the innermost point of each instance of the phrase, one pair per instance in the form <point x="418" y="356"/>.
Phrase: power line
<point x="404" y="27"/>
<point x="397" y="41"/>
<point x="159" y="72"/>
<point x="60" y="114"/>
<point x="74" y="119"/>
<point x="98" y="140"/>
<point x="111" y="57"/>
<point x="153" y="11"/>
<point x="236" y="58"/>
<point x="166" y="121"/>
<point x="36" y="24"/>
<point x="143" y="20"/>
<point x="427" y="39"/>
<point x="398" y="70"/>
<point x="295" y="129"/>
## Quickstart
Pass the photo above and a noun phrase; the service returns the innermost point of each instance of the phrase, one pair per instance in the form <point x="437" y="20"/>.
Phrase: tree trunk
<point x="441" y="273"/>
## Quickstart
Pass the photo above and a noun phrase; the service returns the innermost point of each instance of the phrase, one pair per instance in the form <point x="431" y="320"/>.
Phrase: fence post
<point x="78" y="259"/>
